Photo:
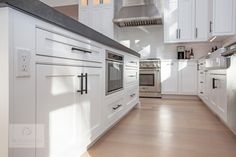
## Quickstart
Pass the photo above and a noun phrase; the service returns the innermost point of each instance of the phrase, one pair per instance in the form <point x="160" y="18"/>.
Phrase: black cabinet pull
<point x="86" y="83"/>
<point x="132" y="95"/>
<point x="118" y="106"/>
<point x="82" y="90"/>
<point x="210" y="27"/>
<point x="214" y="83"/>
<point x="78" y="49"/>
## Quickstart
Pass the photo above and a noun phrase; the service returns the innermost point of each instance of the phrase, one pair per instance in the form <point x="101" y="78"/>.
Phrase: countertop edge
<point x="35" y="7"/>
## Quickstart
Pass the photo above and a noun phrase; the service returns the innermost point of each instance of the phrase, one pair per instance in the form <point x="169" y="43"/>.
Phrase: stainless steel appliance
<point x="114" y="72"/>
<point x="150" y="78"/>
<point x="230" y="54"/>
<point x="137" y="13"/>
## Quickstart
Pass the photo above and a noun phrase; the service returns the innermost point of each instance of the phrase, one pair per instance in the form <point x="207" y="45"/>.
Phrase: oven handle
<point x="150" y="70"/>
<point x="116" y="62"/>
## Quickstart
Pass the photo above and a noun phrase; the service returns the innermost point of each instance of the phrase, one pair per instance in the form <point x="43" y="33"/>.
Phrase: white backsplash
<point x="149" y="42"/>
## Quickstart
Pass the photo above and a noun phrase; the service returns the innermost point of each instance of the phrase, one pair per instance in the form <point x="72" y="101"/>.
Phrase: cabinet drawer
<point x="113" y="111"/>
<point x="132" y="95"/>
<point x="131" y="62"/>
<point x="57" y="45"/>
<point x="131" y="76"/>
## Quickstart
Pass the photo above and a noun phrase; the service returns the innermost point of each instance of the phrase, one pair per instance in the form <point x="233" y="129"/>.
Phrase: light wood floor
<point x="167" y="128"/>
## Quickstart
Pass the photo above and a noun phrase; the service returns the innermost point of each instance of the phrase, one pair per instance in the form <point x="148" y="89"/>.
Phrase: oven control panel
<point x="150" y="64"/>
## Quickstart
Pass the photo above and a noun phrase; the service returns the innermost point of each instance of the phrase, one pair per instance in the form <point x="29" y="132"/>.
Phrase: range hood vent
<point x="142" y="14"/>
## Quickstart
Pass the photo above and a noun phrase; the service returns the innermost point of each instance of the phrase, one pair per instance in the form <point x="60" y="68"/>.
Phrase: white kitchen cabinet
<point x="171" y="20"/>
<point x="90" y="105"/>
<point x="187" y="77"/>
<point x="201" y="32"/>
<point x="169" y="77"/>
<point x="178" y="20"/>
<point x="218" y="95"/>
<point x="70" y="119"/>
<point x="198" y="20"/>
<point x="223" y="17"/>
<point x="179" y="77"/>
<point x="98" y="15"/>
<point x="185" y="20"/>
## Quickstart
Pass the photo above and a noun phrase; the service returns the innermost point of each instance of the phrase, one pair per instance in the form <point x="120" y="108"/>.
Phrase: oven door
<point x="150" y="81"/>
<point x="114" y="77"/>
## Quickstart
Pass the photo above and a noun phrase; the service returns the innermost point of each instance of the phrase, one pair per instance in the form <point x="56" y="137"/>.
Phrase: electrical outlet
<point x="23" y="62"/>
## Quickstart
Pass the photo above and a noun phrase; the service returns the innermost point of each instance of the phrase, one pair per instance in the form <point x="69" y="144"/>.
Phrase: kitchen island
<point x="53" y="82"/>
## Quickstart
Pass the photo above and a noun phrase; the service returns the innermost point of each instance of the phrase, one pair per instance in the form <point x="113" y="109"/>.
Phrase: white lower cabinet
<point x="179" y="77"/>
<point x="215" y="93"/>
<point x="188" y="77"/>
<point x="169" y="77"/>
<point x="218" y="95"/>
<point x="71" y="120"/>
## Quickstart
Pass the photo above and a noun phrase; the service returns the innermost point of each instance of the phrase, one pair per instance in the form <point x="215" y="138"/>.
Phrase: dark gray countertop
<point x="46" y="13"/>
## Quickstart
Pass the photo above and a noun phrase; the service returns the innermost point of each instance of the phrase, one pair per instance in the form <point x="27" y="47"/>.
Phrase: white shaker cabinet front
<point x="179" y="77"/>
<point x="178" y="20"/>
<point x="70" y="119"/>
<point x="186" y="20"/>
<point x="202" y="15"/>
<point x="98" y="15"/>
<point x="188" y="77"/>
<point x="171" y="20"/>
<point x="218" y="95"/>
<point x="223" y="17"/>
<point x="169" y="77"/>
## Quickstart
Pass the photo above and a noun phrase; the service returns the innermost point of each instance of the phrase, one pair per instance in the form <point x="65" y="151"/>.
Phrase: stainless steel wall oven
<point x="114" y="72"/>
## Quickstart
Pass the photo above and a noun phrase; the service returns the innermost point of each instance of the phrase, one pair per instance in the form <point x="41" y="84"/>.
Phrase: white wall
<point x="54" y="3"/>
<point x="149" y="42"/>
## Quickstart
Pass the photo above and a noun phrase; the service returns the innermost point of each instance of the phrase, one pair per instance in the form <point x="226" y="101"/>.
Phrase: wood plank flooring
<point x="167" y="128"/>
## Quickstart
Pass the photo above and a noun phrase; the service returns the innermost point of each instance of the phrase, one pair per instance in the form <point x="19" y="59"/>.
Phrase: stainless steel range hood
<point x="141" y="13"/>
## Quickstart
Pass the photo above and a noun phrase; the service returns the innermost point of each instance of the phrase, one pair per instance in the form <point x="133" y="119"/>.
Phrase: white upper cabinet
<point x="198" y="20"/>
<point x="223" y="17"/>
<point x="178" y="20"/>
<point x="186" y="20"/>
<point x="98" y="14"/>
<point x="171" y="20"/>
<point x="201" y="31"/>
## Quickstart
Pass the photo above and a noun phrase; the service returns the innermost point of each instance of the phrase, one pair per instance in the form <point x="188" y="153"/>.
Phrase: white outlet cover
<point x="23" y="62"/>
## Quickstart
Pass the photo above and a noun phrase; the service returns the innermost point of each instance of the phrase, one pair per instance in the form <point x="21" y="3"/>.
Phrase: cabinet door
<point x="201" y="20"/>
<point x="83" y="17"/>
<point x="186" y="19"/>
<point x="102" y="20"/>
<point x="222" y="97"/>
<point x="188" y="77"/>
<point x="223" y="17"/>
<point x="169" y="77"/>
<point x="170" y="20"/>
<point x="56" y="110"/>
<point x="213" y="96"/>
<point x="90" y="105"/>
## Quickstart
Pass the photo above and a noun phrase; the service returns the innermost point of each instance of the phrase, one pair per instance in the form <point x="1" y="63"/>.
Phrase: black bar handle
<point x="78" y="49"/>
<point x="81" y="91"/>
<point x="214" y="83"/>
<point x="118" y="106"/>
<point x="86" y="83"/>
